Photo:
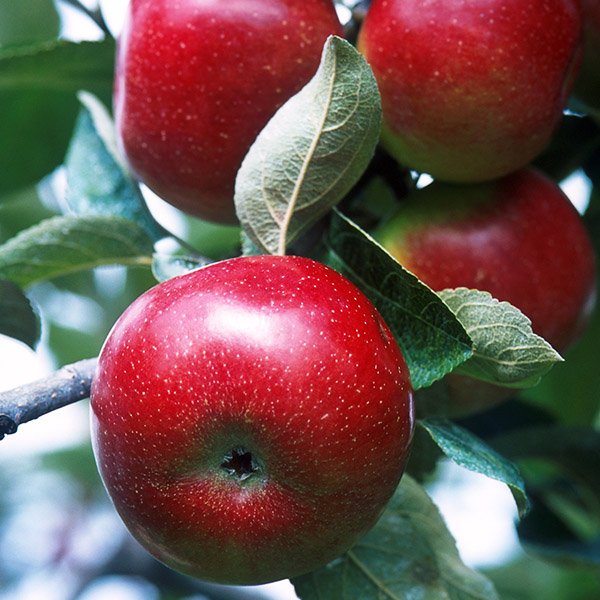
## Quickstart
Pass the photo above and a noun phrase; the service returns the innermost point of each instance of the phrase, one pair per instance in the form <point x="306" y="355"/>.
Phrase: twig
<point x="30" y="401"/>
<point x="94" y="15"/>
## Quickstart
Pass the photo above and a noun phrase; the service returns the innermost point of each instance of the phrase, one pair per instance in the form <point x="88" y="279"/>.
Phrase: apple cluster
<point x="472" y="93"/>
<point x="252" y="418"/>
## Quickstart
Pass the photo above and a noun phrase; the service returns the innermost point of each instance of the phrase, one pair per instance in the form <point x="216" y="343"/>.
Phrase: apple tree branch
<point x="27" y="402"/>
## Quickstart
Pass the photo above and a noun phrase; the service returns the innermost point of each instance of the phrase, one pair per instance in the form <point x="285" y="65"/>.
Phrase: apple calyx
<point x="240" y="464"/>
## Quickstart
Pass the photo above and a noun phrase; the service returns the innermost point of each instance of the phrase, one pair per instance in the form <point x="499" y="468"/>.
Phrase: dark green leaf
<point x="505" y="349"/>
<point x="432" y="340"/>
<point x="17" y="317"/>
<point x="65" y="244"/>
<point x="408" y="554"/>
<point x="38" y="104"/>
<point x="99" y="182"/>
<point x="547" y="532"/>
<point x="470" y="452"/>
<point x="311" y="152"/>
<point x="528" y="578"/>
<point x="576" y="449"/>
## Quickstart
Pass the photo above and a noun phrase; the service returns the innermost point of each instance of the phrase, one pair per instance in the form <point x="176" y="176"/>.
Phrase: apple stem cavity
<point x="240" y="463"/>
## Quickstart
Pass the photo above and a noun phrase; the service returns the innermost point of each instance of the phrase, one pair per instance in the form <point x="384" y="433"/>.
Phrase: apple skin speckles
<point x="251" y="419"/>
<point x="471" y="90"/>
<point x="195" y="82"/>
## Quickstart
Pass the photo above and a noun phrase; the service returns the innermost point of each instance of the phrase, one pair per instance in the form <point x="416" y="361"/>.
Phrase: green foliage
<point x="505" y="349"/>
<point x="27" y="22"/>
<point x="433" y="341"/>
<point x="472" y="453"/>
<point x="38" y="106"/>
<point x="17" y="317"/>
<point x="560" y="464"/>
<point x="409" y="553"/>
<point x="65" y="244"/>
<point x="99" y="183"/>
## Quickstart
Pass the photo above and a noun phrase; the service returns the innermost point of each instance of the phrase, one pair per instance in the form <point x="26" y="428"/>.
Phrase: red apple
<point x="251" y="419"/>
<point x="519" y="238"/>
<point x="471" y="90"/>
<point x="587" y="86"/>
<point x="196" y="81"/>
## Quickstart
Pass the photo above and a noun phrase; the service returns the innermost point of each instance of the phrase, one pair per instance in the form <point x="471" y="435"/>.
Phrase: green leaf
<point x="432" y="340"/>
<point x="470" y="452"/>
<point x="575" y="449"/>
<point x="549" y="529"/>
<point x="38" y="104"/>
<point x="312" y="151"/>
<point x="505" y="349"/>
<point x="99" y="182"/>
<point x="17" y="317"/>
<point x="27" y="22"/>
<point x="408" y="554"/>
<point x="167" y="266"/>
<point x="62" y="245"/>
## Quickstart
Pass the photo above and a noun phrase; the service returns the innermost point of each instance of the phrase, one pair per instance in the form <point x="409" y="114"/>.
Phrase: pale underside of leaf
<point x="311" y="152"/>
<point x="505" y="349"/>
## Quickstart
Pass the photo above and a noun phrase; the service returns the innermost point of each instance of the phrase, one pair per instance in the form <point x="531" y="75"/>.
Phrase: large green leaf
<point x="65" y="244"/>
<point x="38" y="103"/>
<point x="99" y="182"/>
<point x="432" y="340"/>
<point x="17" y="317"/>
<point x="470" y="452"/>
<point x="408" y="554"/>
<point x="312" y="151"/>
<point x="505" y="349"/>
<point x="27" y="22"/>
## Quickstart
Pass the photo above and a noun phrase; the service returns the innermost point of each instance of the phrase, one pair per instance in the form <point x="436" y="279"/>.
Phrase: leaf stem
<point x="69" y="384"/>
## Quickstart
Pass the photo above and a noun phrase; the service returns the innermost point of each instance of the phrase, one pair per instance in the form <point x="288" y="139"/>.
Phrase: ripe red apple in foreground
<point x="587" y="86"/>
<point x="251" y="419"/>
<point x="471" y="90"/>
<point x="519" y="238"/>
<point x="196" y="81"/>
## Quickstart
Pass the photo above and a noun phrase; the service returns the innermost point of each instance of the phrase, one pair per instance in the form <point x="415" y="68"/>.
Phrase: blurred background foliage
<point x="59" y="536"/>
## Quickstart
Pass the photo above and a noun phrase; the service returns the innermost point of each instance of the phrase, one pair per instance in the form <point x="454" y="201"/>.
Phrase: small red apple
<point x="587" y="86"/>
<point x="196" y="81"/>
<point x="519" y="238"/>
<point x="471" y="90"/>
<point x="251" y="419"/>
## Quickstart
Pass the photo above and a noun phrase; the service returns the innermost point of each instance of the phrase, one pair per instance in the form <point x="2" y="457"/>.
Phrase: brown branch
<point x="27" y="402"/>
